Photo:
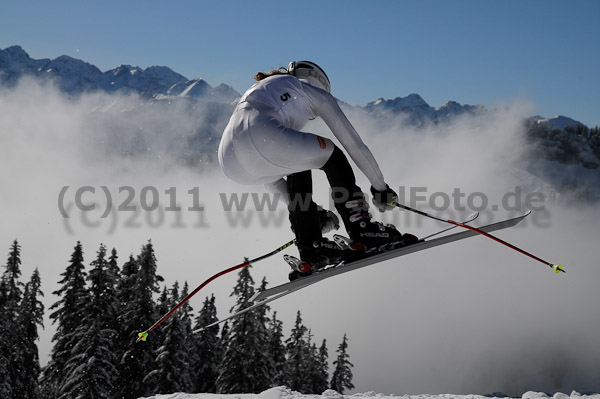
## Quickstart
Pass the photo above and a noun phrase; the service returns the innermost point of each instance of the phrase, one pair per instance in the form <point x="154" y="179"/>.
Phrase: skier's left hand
<point x="384" y="200"/>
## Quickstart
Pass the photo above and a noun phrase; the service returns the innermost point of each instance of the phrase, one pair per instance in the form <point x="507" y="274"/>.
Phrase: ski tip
<point x="473" y="216"/>
<point x="142" y="336"/>
<point x="558" y="269"/>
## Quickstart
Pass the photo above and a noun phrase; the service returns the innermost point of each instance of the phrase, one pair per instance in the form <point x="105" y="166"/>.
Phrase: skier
<point x="263" y="144"/>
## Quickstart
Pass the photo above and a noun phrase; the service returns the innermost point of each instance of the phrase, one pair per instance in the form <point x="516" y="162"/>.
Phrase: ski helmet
<point x="311" y="72"/>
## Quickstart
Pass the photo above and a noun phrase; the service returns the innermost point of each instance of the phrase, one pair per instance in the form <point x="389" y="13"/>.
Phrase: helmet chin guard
<point x="310" y="72"/>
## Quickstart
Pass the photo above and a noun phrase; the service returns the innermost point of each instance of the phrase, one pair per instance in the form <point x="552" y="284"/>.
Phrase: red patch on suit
<point x="322" y="142"/>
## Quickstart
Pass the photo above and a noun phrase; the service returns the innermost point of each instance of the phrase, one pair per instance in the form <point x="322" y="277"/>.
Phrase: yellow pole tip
<point x="142" y="336"/>
<point x="557" y="268"/>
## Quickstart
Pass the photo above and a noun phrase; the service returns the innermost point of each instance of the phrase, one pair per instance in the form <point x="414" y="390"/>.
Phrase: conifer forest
<point x="101" y="305"/>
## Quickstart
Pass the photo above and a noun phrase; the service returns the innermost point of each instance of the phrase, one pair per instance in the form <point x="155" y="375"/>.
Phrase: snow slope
<point x="284" y="393"/>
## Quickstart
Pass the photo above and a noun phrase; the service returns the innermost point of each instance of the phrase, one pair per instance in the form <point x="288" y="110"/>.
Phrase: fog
<point x="469" y="317"/>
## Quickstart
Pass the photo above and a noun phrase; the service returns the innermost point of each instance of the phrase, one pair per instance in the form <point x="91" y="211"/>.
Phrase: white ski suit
<point x="262" y="142"/>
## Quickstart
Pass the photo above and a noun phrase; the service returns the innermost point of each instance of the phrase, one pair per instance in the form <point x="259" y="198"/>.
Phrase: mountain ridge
<point x="75" y="76"/>
<point x="559" y="139"/>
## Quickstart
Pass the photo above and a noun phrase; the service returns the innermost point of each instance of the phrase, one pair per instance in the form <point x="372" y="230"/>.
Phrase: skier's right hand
<point x="384" y="200"/>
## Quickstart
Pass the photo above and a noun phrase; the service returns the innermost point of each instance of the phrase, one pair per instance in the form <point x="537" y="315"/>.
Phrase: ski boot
<point x="314" y="258"/>
<point x="316" y="252"/>
<point x="373" y="236"/>
<point x="328" y="221"/>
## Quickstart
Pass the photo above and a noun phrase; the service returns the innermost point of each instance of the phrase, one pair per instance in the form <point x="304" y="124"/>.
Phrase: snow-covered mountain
<point x="153" y="80"/>
<point x="414" y="102"/>
<point x="381" y="105"/>
<point x="75" y="76"/>
<point x="413" y="110"/>
<point x="557" y="122"/>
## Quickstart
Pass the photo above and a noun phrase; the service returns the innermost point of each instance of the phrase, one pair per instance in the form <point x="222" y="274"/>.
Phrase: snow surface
<point x="285" y="393"/>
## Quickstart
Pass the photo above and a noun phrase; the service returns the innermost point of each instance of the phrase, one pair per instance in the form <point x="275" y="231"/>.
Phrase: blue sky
<point x="473" y="52"/>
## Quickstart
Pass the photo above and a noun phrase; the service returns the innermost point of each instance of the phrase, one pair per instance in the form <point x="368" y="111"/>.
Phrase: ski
<point x="142" y="336"/>
<point x="263" y="297"/>
<point x="383" y="256"/>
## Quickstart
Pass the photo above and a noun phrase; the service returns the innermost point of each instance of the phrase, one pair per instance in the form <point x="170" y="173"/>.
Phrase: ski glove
<point x="384" y="200"/>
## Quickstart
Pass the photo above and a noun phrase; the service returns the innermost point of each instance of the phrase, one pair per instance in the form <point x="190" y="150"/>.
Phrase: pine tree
<point x="68" y="315"/>
<point x="321" y="372"/>
<point x="170" y="374"/>
<point x="262" y="363"/>
<point x="186" y="311"/>
<point x="296" y="348"/>
<point x="264" y="339"/>
<point x="125" y="294"/>
<point x="277" y="349"/>
<point x="127" y="282"/>
<point x="91" y="371"/>
<point x="246" y="366"/>
<point x="315" y="367"/>
<point x="310" y="363"/>
<point x="10" y="298"/>
<point x="103" y="281"/>
<point x="113" y="268"/>
<point x="342" y="375"/>
<point x="10" y="287"/>
<point x="262" y="311"/>
<point x="137" y="314"/>
<point x="31" y="315"/>
<point x="207" y="348"/>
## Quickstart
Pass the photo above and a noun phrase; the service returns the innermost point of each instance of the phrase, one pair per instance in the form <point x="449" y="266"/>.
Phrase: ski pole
<point x="144" y="334"/>
<point x="555" y="267"/>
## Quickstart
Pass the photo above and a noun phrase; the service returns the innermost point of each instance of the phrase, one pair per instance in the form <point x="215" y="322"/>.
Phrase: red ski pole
<point x="144" y="334"/>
